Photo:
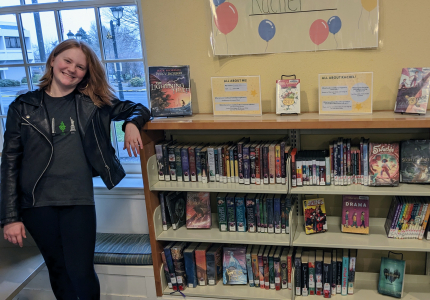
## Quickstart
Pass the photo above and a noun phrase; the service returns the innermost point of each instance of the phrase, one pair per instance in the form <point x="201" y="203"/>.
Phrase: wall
<point x="177" y="32"/>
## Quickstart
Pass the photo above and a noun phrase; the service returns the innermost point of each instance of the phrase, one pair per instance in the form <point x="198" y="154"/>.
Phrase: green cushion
<point x="123" y="249"/>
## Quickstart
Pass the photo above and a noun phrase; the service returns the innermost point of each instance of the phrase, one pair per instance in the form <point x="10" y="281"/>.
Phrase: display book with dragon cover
<point x="415" y="161"/>
<point x="384" y="166"/>
<point x="169" y="91"/>
<point x="314" y="213"/>
<point x="198" y="210"/>
<point x="392" y="277"/>
<point x="413" y="91"/>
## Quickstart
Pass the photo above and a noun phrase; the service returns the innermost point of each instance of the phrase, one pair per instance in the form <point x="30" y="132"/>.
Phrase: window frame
<point x="17" y="10"/>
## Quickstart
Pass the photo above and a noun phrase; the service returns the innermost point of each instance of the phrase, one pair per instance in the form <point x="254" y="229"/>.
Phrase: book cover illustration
<point x="198" y="210"/>
<point x="177" y="252"/>
<point x="234" y="265"/>
<point x="169" y="91"/>
<point x="288" y="96"/>
<point x="175" y="202"/>
<point x="415" y="161"/>
<point x="413" y="91"/>
<point x="355" y="214"/>
<point x="384" y="167"/>
<point x="315" y="216"/>
<point x="391" y="277"/>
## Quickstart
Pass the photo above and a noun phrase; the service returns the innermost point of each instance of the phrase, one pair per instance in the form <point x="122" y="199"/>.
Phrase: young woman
<point x="57" y="138"/>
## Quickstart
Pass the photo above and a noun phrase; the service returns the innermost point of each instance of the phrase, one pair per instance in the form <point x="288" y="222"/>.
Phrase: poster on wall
<point x="236" y="96"/>
<point x="345" y="93"/>
<point x="269" y="26"/>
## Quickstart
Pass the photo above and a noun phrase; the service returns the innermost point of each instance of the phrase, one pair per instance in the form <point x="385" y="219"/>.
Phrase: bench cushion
<point x="123" y="249"/>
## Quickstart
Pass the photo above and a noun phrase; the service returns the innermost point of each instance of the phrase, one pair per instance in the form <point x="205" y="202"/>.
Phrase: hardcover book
<point x="169" y="91"/>
<point x="234" y="265"/>
<point x="170" y="266"/>
<point x="165" y="216"/>
<point x="277" y="267"/>
<point x="249" y="266"/>
<point x="305" y="273"/>
<point x="391" y="277"/>
<point x="250" y="209"/>
<point x="272" y="267"/>
<point x="345" y="269"/>
<point x="327" y="274"/>
<point x="267" y="267"/>
<point x="178" y="160"/>
<point x="284" y="268"/>
<point x="277" y="213"/>
<point x="311" y="262"/>
<point x="351" y="272"/>
<point x="415" y="161"/>
<point x="270" y="213"/>
<point x="255" y="267"/>
<point x="175" y="202"/>
<point x="298" y="271"/>
<point x="413" y="91"/>
<point x="231" y="212"/>
<point x="384" y="164"/>
<point x="355" y="214"/>
<point x="166" y="270"/>
<point x="319" y="262"/>
<point x="178" y="262"/>
<point x="214" y="264"/>
<point x="185" y="163"/>
<point x="200" y="254"/>
<point x="222" y="211"/>
<point x="261" y="266"/>
<point x="288" y="96"/>
<point x="190" y="265"/>
<point x="198" y="210"/>
<point x="315" y="216"/>
<point x="239" y="200"/>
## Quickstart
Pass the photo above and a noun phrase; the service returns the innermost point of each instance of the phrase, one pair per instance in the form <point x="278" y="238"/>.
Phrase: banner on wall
<point x="275" y="26"/>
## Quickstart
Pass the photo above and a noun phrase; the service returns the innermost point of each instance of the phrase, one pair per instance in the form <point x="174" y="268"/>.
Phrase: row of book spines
<point x="324" y="273"/>
<point x="404" y="209"/>
<point x="244" y="162"/>
<point x="271" y="267"/>
<point x="257" y="212"/>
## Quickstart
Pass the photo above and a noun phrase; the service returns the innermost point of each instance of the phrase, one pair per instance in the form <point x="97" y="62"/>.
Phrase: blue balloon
<point x="218" y="2"/>
<point x="334" y="24"/>
<point x="266" y="30"/>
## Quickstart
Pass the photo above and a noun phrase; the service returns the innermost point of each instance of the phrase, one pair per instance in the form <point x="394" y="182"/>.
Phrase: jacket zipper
<point x="106" y="166"/>
<point x="50" y="158"/>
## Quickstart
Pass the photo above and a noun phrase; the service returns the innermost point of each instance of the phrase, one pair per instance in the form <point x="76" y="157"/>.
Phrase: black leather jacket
<point x="28" y="146"/>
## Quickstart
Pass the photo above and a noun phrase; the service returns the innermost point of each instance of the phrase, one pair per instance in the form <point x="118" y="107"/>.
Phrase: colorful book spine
<point x="249" y="266"/>
<point x="272" y="163"/>
<point x="258" y="202"/>
<point x="204" y="165"/>
<point x="227" y="164"/>
<point x="252" y="160"/>
<point x="278" y="169"/>
<point x="246" y="165"/>
<point x="351" y="272"/>
<point x="160" y="161"/>
<point x="166" y="270"/>
<point x="222" y="211"/>
<point x="172" y="162"/>
<point x="231" y="156"/>
<point x="220" y="163"/>
<point x="255" y="268"/>
<point x="272" y="268"/>
<point x="250" y="212"/>
<point x="200" y="255"/>
<point x="284" y="214"/>
<point x="257" y="164"/>
<point x="311" y="268"/>
<point x="231" y="212"/>
<point x="298" y="271"/>
<point x="266" y="268"/>
<point x="270" y="214"/>
<point x="178" y="261"/>
<point x="327" y="276"/>
<point x="240" y="161"/>
<point x="283" y="167"/>
<point x="170" y="265"/>
<point x="277" y="268"/>
<point x="192" y="161"/>
<point x="197" y="153"/>
<point x="319" y="272"/>
<point x="214" y="264"/>
<point x="266" y="164"/>
<point x="305" y="274"/>
<point x="190" y="265"/>
<point x="290" y="268"/>
<point x="284" y="268"/>
<point x="333" y="273"/>
<point x="211" y="163"/>
<point x="178" y="161"/>
<point x="236" y="165"/>
<point x="261" y="266"/>
<point x="185" y="163"/>
<point x="216" y="159"/>
<point x="166" y="161"/>
<point x="240" y="212"/>
<point x="366" y="163"/>
<point x="345" y="266"/>
<point x="293" y="167"/>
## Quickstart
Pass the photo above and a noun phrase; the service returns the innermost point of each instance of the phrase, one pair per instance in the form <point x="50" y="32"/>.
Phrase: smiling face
<point x="69" y="68"/>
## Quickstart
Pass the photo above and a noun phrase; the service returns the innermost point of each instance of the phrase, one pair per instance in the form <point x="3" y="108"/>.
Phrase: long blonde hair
<point x="94" y="84"/>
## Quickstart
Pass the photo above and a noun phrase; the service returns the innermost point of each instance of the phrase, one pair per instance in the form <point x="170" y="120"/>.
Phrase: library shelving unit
<point x="416" y="286"/>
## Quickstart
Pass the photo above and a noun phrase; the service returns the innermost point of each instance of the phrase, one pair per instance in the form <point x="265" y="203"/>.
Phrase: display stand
<point x="366" y="285"/>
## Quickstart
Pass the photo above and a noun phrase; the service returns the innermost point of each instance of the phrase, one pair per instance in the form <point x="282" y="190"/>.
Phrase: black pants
<point x="66" y="238"/>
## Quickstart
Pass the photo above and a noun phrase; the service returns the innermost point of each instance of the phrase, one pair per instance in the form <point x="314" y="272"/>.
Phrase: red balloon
<point x="226" y="17"/>
<point x="319" y="31"/>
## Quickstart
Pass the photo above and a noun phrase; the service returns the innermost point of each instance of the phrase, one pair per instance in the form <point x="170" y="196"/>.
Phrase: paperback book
<point x="288" y="96"/>
<point x="415" y="161"/>
<point x="198" y="210"/>
<point x="384" y="166"/>
<point x="169" y="91"/>
<point x="391" y="277"/>
<point x="413" y="91"/>
<point x="175" y="202"/>
<point x="315" y="216"/>
<point x="355" y="214"/>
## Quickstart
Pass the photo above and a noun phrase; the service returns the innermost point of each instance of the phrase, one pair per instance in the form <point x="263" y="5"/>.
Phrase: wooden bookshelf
<point x="153" y="132"/>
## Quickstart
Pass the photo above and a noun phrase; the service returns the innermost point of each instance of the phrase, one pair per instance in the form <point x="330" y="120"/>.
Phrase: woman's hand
<point x="14" y="232"/>
<point x="132" y="140"/>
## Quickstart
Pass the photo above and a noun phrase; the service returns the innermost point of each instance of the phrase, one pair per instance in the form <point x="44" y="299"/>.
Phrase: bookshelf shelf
<point x="416" y="287"/>
<point x="376" y="240"/>
<point x="213" y="235"/>
<point x="356" y="189"/>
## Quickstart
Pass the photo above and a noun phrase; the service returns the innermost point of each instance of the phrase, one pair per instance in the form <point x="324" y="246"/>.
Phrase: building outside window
<point x="30" y="29"/>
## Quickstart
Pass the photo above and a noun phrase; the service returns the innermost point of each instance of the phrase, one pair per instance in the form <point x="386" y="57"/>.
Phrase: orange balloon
<point x="369" y="5"/>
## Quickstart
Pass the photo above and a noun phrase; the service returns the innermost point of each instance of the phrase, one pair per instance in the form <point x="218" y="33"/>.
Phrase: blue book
<point x="170" y="265"/>
<point x="178" y="160"/>
<point x="240" y="212"/>
<point x="391" y="277"/>
<point x="190" y="265"/>
<point x="250" y="212"/>
<point x="222" y="211"/>
<point x="249" y="266"/>
<point x="185" y="163"/>
<point x="214" y="264"/>
<point x="345" y="267"/>
<point x="270" y="219"/>
<point x="234" y="265"/>
<point x="277" y="213"/>
<point x="231" y="212"/>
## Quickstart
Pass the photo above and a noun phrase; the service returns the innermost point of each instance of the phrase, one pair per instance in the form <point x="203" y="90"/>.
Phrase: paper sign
<point x="346" y="93"/>
<point x="240" y="96"/>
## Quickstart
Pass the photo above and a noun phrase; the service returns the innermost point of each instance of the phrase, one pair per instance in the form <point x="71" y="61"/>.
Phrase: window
<point x="12" y="42"/>
<point x="112" y="29"/>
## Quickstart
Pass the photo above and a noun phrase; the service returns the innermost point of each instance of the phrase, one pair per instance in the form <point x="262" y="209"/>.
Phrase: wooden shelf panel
<point x="379" y="119"/>
<point x="213" y="235"/>
<point x="377" y="239"/>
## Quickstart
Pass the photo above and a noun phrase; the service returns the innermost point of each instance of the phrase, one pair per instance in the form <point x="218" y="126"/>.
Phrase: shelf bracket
<point x="294" y="136"/>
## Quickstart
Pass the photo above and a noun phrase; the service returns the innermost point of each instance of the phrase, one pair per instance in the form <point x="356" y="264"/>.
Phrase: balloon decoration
<point x="226" y="17"/>
<point x="319" y="31"/>
<point x="369" y="5"/>
<point x="218" y="2"/>
<point x="334" y="24"/>
<point x="266" y="30"/>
